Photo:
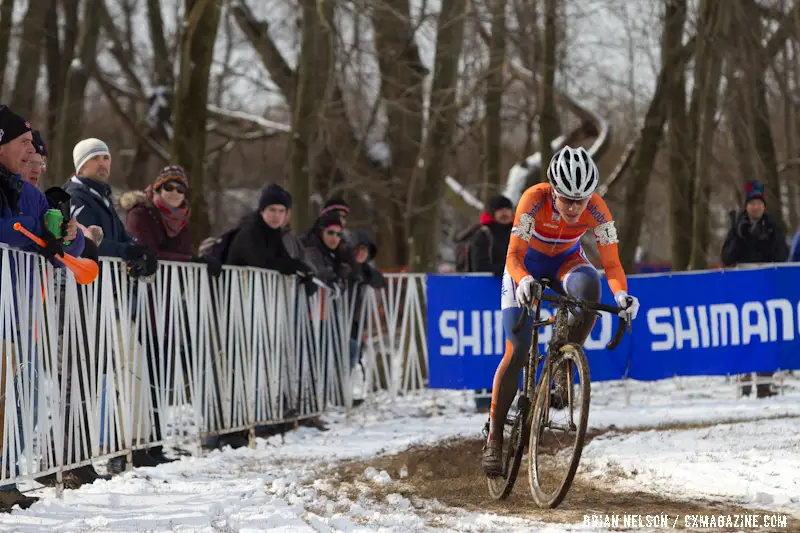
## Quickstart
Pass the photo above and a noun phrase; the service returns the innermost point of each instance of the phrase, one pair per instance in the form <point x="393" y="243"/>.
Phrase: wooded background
<point x="416" y="110"/>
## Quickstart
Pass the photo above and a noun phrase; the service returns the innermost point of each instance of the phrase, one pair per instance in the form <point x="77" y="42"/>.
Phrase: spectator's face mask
<point x="274" y="216"/>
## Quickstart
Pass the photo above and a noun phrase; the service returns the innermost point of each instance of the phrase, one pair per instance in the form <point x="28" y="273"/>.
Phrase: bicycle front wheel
<point x="558" y="427"/>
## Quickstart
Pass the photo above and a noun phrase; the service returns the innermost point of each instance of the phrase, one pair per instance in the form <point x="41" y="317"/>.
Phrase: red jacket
<point x="144" y="223"/>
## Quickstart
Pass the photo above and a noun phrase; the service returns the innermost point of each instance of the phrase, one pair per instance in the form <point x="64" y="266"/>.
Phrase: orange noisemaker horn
<point x="85" y="270"/>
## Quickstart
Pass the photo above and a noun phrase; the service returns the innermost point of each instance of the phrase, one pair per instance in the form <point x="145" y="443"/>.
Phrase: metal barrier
<point x="97" y="371"/>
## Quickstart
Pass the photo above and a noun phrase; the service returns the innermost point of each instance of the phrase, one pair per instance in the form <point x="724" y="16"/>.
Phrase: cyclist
<point x="545" y="243"/>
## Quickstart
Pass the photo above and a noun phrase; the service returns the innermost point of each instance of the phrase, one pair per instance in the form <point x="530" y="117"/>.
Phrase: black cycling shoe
<point x="493" y="458"/>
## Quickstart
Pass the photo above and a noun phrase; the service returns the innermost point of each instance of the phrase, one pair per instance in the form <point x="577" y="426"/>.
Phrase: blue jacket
<point x="794" y="253"/>
<point x="92" y="206"/>
<point x="28" y="208"/>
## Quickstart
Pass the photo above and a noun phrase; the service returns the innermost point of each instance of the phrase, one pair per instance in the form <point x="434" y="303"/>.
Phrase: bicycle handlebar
<point x="589" y="306"/>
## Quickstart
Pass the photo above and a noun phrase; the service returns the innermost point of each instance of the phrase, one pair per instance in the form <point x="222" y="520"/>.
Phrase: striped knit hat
<point x="171" y="173"/>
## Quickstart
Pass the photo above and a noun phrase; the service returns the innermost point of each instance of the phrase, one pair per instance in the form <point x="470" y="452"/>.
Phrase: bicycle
<point x="520" y="434"/>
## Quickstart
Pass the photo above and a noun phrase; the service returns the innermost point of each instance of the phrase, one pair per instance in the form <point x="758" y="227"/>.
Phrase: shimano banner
<point x="706" y="323"/>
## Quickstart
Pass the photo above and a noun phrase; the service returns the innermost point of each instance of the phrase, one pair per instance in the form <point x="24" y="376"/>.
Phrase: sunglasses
<point x="333" y="233"/>
<point x="169" y="187"/>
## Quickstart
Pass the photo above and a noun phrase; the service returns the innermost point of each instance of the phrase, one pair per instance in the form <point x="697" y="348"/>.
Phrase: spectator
<point x="37" y="162"/>
<point x="489" y="245"/>
<point x="754" y="238"/>
<point x="260" y="241"/>
<point x="327" y="256"/>
<point x="92" y="206"/>
<point x="20" y="202"/>
<point x="364" y="275"/>
<point x="158" y="217"/>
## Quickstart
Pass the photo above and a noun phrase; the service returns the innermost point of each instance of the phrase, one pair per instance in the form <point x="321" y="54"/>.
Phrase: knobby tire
<point x="578" y="357"/>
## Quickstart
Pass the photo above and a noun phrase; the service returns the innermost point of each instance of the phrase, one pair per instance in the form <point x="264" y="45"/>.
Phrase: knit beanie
<point x="753" y="190"/>
<point x="274" y="194"/>
<point x="171" y="173"/>
<point x="329" y="219"/>
<point x="499" y="202"/>
<point x="333" y="205"/>
<point x="38" y="144"/>
<point x="11" y="125"/>
<point x="87" y="149"/>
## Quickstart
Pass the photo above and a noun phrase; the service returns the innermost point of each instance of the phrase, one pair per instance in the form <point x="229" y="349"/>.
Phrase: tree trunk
<point x="191" y="99"/>
<point x="548" y="116"/>
<point x="71" y="113"/>
<point x="678" y="143"/>
<point x="303" y="108"/>
<point x="672" y="61"/>
<point x="402" y="76"/>
<point x="443" y="110"/>
<point x="6" y="14"/>
<point x="712" y="27"/>
<point x="23" y="99"/>
<point x="494" y="101"/>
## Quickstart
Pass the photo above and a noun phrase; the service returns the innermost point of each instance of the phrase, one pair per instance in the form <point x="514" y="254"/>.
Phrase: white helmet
<point x="573" y="174"/>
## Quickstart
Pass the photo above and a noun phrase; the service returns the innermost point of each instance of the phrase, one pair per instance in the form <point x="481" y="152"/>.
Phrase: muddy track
<point x="450" y="472"/>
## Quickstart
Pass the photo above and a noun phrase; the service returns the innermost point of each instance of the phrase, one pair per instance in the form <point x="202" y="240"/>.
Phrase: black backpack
<point x="219" y="247"/>
<point x="463" y="242"/>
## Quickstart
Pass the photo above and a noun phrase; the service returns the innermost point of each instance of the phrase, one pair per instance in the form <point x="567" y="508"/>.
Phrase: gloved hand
<point x="528" y="290"/>
<point x="141" y="262"/>
<point x="212" y="263"/>
<point x="629" y="304"/>
<point x="308" y="284"/>
<point x="52" y="245"/>
<point x="136" y="251"/>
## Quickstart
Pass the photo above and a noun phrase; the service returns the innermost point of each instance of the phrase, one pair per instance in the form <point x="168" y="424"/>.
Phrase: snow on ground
<point x="281" y="485"/>
<point x="755" y="464"/>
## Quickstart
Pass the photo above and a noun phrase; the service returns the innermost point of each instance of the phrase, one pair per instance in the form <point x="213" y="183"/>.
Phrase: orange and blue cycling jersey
<point x="543" y="244"/>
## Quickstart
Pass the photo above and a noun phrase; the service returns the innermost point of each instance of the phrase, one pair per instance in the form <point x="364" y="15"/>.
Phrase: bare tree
<point x="494" y="100"/>
<point x="548" y="116"/>
<point x="191" y="100"/>
<point x="29" y="60"/>
<point x="6" y="16"/>
<point x="673" y="59"/>
<point x="72" y="104"/>
<point x="449" y="41"/>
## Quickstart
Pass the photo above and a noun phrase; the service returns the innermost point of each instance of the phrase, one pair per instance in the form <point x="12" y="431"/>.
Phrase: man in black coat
<point x="754" y="237"/>
<point x="489" y="245"/>
<point x="260" y="239"/>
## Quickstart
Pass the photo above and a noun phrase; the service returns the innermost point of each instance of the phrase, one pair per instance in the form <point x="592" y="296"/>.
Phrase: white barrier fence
<point x="97" y="371"/>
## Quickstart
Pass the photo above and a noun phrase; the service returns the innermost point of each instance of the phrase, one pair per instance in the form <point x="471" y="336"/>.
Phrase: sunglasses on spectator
<point x="333" y="233"/>
<point x="169" y="187"/>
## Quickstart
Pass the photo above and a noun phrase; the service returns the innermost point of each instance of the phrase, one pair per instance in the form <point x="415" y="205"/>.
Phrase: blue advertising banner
<point x="706" y="323"/>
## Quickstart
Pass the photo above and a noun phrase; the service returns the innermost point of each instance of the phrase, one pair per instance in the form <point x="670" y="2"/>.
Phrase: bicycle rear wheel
<point x="515" y="437"/>
<point x="552" y="468"/>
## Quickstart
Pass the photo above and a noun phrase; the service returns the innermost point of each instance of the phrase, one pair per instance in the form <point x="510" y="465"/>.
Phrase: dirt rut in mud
<point x="451" y="473"/>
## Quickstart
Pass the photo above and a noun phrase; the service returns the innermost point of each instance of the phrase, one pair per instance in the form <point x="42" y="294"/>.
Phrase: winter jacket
<point x="92" y="206"/>
<point x="364" y="272"/>
<point x="22" y="202"/>
<point x="331" y="266"/>
<point x="489" y="245"/>
<point x="258" y="245"/>
<point x="749" y="242"/>
<point x="143" y="222"/>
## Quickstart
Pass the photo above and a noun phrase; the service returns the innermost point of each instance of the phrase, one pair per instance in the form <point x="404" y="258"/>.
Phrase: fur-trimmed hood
<point x="131" y="199"/>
